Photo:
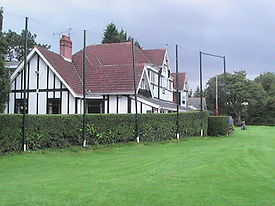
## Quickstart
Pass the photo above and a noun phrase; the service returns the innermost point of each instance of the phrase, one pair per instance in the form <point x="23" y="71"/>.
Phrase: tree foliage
<point x="267" y="80"/>
<point x="197" y="92"/>
<point x="4" y="85"/>
<point x="12" y="45"/>
<point x="245" y="99"/>
<point x="113" y="35"/>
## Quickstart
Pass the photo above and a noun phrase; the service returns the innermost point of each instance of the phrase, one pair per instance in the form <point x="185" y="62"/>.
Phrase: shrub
<point x="218" y="125"/>
<point x="60" y="131"/>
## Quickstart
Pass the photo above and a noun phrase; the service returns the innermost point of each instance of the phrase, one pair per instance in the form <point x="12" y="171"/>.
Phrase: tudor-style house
<point x="183" y="88"/>
<point x="54" y="81"/>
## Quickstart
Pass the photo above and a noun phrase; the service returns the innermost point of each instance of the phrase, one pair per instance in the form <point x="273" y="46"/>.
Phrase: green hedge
<point x="60" y="131"/>
<point x="218" y="125"/>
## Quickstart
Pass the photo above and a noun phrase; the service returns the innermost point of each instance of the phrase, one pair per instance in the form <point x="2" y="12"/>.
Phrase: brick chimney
<point x="66" y="48"/>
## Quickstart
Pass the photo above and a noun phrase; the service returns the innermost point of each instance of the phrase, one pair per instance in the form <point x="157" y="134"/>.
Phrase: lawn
<point x="214" y="171"/>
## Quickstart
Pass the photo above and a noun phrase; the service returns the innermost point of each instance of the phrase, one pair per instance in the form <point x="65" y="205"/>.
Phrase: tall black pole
<point x="24" y="146"/>
<point x="201" y="91"/>
<point x="135" y="90"/>
<point x="84" y="89"/>
<point x="225" y="85"/>
<point x="177" y="85"/>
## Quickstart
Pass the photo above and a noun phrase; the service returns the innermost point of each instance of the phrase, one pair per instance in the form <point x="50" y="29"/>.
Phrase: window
<point x="164" y="82"/>
<point x="149" y="74"/>
<point x="95" y="106"/>
<point x="153" y="79"/>
<point x="54" y="106"/>
<point x="19" y="106"/>
<point x="170" y="85"/>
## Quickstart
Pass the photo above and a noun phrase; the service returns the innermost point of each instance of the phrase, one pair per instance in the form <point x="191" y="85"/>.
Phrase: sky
<point x="241" y="30"/>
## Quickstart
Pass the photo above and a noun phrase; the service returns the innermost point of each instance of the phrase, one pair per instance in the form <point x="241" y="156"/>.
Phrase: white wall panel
<point x="112" y="103"/>
<point x="57" y="94"/>
<point x="32" y="102"/>
<point x="57" y="82"/>
<point x="42" y="74"/>
<point x="123" y="104"/>
<point x="72" y="104"/>
<point x="42" y="103"/>
<point x="50" y="95"/>
<point x="51" y="75"/>
<point x="64" y="103"/>
<point x="11" y="103"/>
<point x="33" y="75"/>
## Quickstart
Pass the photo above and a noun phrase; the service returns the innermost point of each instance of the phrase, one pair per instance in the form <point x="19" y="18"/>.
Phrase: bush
<point x="218" y="125"/>
<point x="60" y="131"/>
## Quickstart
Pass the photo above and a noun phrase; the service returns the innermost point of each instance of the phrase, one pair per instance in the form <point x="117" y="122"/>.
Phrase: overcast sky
<point x="241" y="30"/>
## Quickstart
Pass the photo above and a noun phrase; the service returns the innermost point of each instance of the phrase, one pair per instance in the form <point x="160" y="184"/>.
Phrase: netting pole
<point x="201" y="91"/>
<point x="217" y="101"/>
<point x="84" y="90"/>
<point x="225" y="85"/>
<point x="177" y="85"/>
<point x="135" y="90"/>
<point x="24" y="146"/>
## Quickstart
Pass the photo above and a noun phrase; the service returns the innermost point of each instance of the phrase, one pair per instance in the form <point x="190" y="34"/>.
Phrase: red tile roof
<point x="65" y="69"/>
<point x="109" y="67"/>
<point x="156" y="56"/>
<point x="182" y="80"/>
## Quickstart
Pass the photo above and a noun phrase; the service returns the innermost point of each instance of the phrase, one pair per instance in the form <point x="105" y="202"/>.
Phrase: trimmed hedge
<point x="60" y="131"/>
<point x="218" y="125"/>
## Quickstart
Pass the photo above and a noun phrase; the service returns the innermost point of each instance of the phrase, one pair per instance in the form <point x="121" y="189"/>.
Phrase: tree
<point x="197" y="92"/>
<point x="237" y="93"/>
<point x="262" y="106"/>
<point x="4" y="85"/>
<point x="12" y="45"/>
<point x="267" y="80"/>
<point x="190" y="93"/>
<point x="246" y="99"/>
<point x="112" y="35"/>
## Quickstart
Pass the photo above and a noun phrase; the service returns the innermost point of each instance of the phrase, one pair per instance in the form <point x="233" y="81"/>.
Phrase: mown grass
<point x="235" y="170"/>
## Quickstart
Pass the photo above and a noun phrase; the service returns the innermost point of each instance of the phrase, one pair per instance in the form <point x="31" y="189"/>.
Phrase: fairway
<point x="214" y="171"/>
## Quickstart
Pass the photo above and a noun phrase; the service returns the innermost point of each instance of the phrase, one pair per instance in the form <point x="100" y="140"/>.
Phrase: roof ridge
<point x="154" y="49"/>
<point x="126" y="42"/>
<point x="40" y="47"/>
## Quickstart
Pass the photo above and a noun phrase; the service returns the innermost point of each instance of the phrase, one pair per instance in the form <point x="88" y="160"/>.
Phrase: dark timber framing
<point x="47" y="84"/>
<point x="68" y="102"/>
<point x="103" y="109"/>
<point x="108" y="104"/>
<point x="60" y="97"/>
<point x="37" y="83"/>
<point x="14" y="94"/>
<point x="75" y="105"/>
<point x="40" y="90"/>
<point x="129" y="102"/>
<point x="21" y="82"/>
<point x="54" y="85"/>
<point x="117" y="104"/>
